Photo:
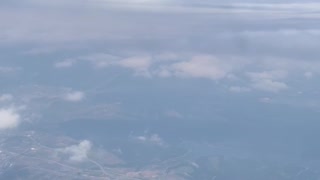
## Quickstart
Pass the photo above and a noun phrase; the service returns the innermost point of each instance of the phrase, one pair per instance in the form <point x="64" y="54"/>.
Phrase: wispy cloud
<point x="270" y="85"/>
<point x="65" y="64"/>
<point x="6" y="97"/>
<point x="174" y="114"/>
<point x="239" y="89"/>
<point x="41" y="25"/>
<point x="140" y="65"/>
<point x="239" y="38"/>
<point x="267" y="74"/>
<point x="74" y="96"/>
<point x="201" y="67"/>
<point x="9" y="118"/>
<point x="153" y="139"/>
<point x="308" y="75"/>
<point x="268" y="80"/>
<point x="196" y="66"/>
<point x="5" y="70"/>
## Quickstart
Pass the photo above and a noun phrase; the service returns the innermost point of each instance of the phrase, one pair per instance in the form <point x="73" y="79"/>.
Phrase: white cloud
<point x="136" y="63"/>
<point x="65" y="64"/>
<point x="46" y="26"/>
<point x="78" y="153"/>
<point x="136" y="1"/>
<point x="140" y="65"/>
<point x="163" y="72"/>
<point x="281" y="9"/>
<point x="75" y="96"/>
<point x="153" y="139"/>
<point x="268" y="75"/>
<point x="6" y="97"/>
<point x="201" y="67"/>
<point x="268" y="80"/>
<point x="265" y="100"/>
<point x="168" y="65"/>
<point x="308" y="75"/>
<point x="238" y="89"/>
<point x="100" y="60"/>
<point x="156" y="139"/>
<point x="280" y="6"/>
<point x="9" y="118"/>
<point x="270" y="85"/>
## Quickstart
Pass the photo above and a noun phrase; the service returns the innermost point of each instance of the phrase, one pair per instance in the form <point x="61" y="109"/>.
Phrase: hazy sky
<point x="253" y="64"/>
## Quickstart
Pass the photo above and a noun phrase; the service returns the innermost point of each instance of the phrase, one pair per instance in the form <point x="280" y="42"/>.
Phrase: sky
<point x="251" y="64"/>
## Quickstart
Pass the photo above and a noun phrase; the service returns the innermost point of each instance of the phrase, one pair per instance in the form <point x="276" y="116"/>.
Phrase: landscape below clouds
<point x="159" y="89"/>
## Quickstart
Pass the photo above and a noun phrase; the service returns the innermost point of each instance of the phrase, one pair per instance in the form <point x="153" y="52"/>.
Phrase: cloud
<point x="9" y="118"/>
<point x="270" y="85"/>
<point x="74" y="96"/>
<point x="238" y="89"/>
<point x="6" y="97"/>
<point x="199" y="67"/>
<point x="8" y="70"/>
<point x="267" y="75"/>
<point x="271" y="77"/>
<point x="167" y="65"/>
<point x="174" y="114"/>
<point x="153" y="139"/>
<point x="268" y="80"/>
<point x="265" y="100"/>
<point x="46" y="25"/>
<point x="212" y="7"/>
<point x="136" y="63"/>
<point x="65" y="64"/>
<point x="308" y="75"/>
<point x="78" y="153"/>
<point x="280" y="6"/>
<point x="136" y="1"/>
<point x="99" y="60"/>
<point x="140" y="65"/>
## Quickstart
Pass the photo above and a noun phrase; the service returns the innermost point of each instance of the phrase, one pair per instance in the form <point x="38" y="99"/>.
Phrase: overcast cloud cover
<point x="240" y="71"/>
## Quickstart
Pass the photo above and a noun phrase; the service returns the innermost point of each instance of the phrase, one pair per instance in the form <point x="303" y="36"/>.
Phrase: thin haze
<point x="164" y="73"/>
